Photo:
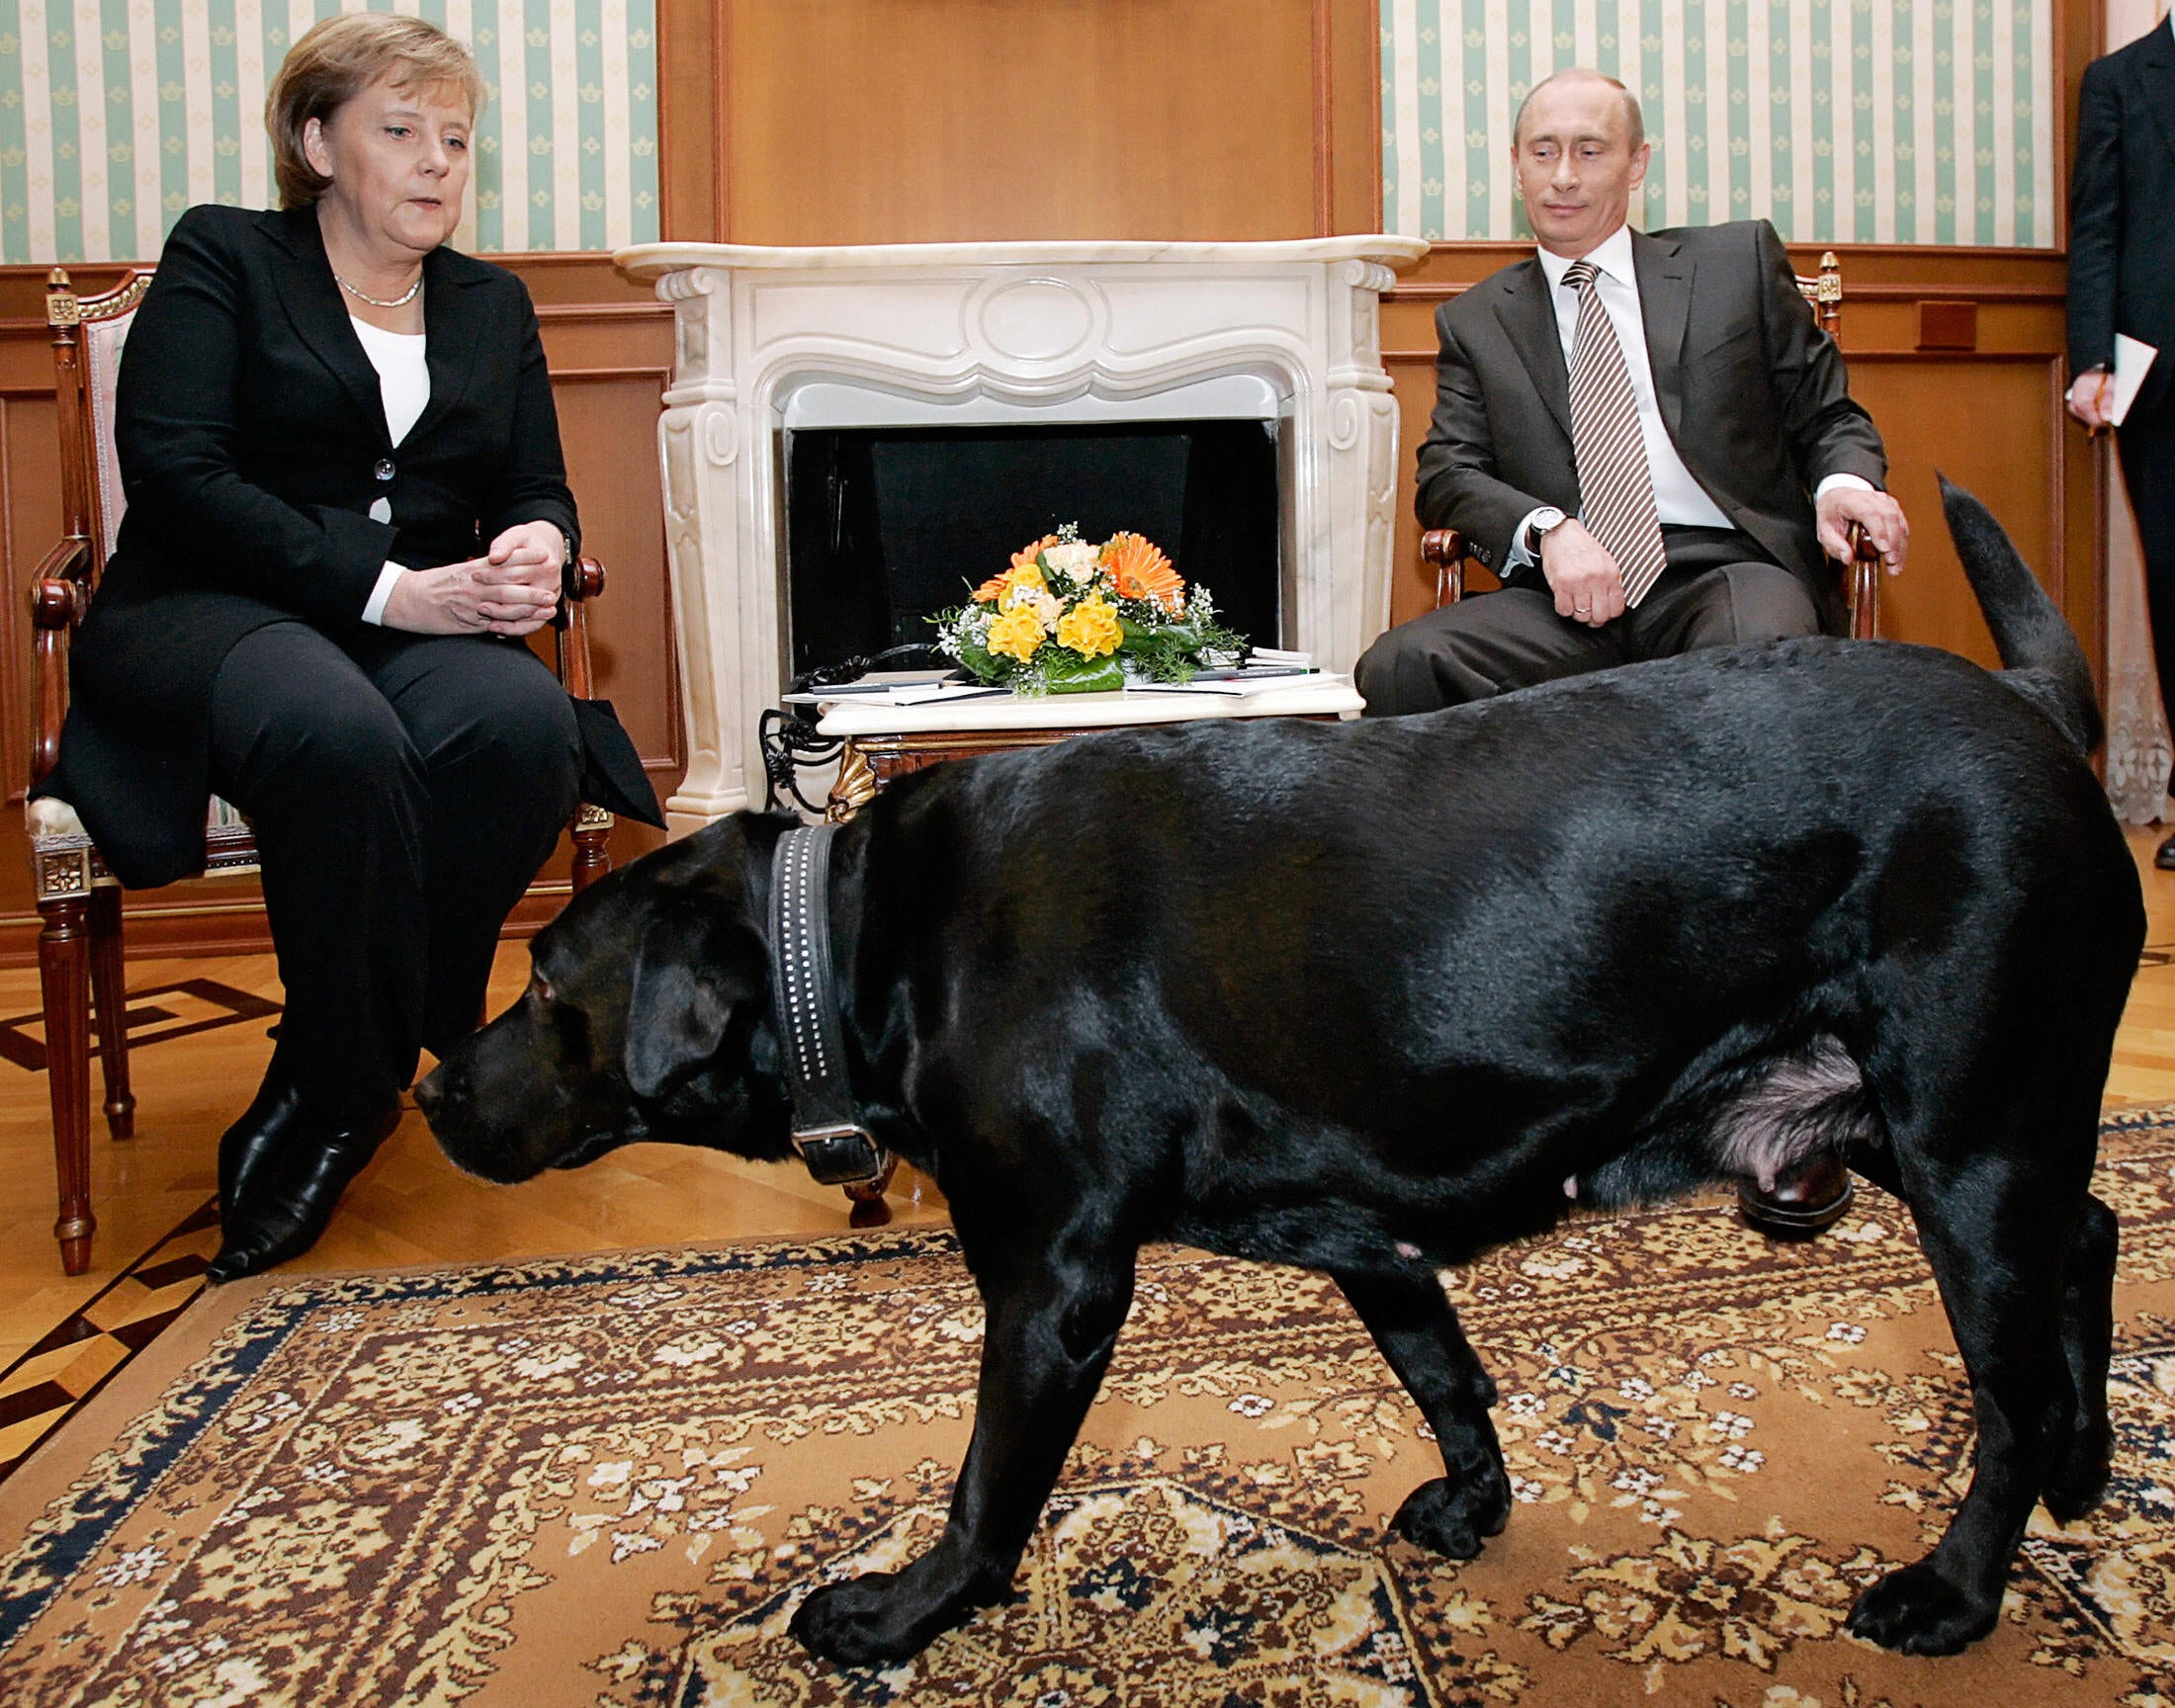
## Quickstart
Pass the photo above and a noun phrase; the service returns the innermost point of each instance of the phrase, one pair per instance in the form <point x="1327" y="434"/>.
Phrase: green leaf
<point x="984" y="665"/>
<point x="1068" y="673"/>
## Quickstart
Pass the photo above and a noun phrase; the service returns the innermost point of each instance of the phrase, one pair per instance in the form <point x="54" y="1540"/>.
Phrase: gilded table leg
<point x="855" y="787"/>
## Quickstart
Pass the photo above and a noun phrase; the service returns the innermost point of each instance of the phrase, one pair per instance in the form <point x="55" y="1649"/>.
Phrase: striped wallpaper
<point x="1842" y="121"/>
<point x="116" y="115"/>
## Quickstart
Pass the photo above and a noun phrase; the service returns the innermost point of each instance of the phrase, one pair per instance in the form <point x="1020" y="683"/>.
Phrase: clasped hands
<point x="1589" y="587"/>
<point x="512" y="589"/>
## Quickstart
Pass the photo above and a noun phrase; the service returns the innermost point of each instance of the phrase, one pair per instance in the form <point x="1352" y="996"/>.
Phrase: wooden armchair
<point x="79" y="949"/>
<point x="1444" y="548"/>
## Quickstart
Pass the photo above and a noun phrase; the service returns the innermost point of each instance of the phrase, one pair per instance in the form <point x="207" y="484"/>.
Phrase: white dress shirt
<point x="1679" y="498"/>
<point x="403" y="382"/>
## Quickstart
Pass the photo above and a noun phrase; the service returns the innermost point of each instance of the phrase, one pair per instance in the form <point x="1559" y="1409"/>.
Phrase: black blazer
<point x="1752" y="392"/>
<point x="2122" y="211"/>
<point x="252" y="440"/>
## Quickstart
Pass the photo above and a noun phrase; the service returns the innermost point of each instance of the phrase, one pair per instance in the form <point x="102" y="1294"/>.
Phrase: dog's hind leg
<point x="1419" y="1334"/>
<point x="2083" y="1447"/>
<point x="2016" y="1255"/>
<point x="1053" y="1316"/>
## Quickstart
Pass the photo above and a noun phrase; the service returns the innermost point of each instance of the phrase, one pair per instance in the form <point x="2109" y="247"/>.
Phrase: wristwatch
<point x="1546" y="520"/>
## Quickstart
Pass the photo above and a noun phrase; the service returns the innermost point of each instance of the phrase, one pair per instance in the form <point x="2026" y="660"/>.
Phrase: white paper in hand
<point x="2132" y="362"/>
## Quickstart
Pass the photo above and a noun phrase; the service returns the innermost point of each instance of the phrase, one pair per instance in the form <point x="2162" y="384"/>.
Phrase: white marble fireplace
<point x="775" y="340"/>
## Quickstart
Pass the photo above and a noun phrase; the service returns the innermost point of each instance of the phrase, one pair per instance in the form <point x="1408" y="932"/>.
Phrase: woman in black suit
<point x="346" y="506"/>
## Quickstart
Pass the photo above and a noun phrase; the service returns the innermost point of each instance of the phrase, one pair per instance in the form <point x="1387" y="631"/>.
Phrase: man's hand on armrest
<point x="1588" y="585"/>
<point x="1841" y="501"/>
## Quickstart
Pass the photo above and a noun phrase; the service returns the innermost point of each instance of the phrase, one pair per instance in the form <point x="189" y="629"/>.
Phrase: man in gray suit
<point x="1651" y="442"/>
<point x="1647" y="437"/>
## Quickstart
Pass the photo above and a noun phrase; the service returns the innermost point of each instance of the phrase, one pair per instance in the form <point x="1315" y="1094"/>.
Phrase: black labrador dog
<point x="1371" y="998"/>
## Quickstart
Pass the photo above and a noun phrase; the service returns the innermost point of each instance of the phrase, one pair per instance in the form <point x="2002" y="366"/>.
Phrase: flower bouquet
<point x="1070" y="617"/>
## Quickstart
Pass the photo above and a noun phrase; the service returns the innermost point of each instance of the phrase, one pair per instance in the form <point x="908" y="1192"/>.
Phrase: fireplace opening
<point x="886" y="526"/>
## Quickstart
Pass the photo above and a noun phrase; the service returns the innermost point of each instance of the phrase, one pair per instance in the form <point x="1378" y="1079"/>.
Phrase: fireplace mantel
<point x="969" y="332"/>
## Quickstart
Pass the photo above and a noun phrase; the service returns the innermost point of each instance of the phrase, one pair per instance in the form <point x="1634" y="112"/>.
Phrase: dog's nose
<point x="429" y="1093"/>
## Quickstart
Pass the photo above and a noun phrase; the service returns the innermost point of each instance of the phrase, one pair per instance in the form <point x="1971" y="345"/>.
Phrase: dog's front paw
<point x="1918" y="1611"/>
<point x="1455" y="1518"/>
<point x="857" y="1623"/>
<point x="886" y="1616"/>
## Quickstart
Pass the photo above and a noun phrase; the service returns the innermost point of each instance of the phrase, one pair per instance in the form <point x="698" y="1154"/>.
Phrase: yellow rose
<point x="1016" y="634"/>
<point x="1027" y="574"/>
<point x="1090" y="628"/>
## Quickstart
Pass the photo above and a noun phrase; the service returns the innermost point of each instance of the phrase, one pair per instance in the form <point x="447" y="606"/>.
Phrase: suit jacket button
<point x="384" y="471"/>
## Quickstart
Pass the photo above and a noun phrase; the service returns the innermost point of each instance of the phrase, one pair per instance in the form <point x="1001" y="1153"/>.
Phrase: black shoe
<point x="295" y="1192"/>
<point x="2165" y="858"/>
<point x="1811" y="1197"/>
<point x="261" y="1131"/>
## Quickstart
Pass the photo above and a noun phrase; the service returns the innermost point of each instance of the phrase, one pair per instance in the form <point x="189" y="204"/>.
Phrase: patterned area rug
<point x="609" y="1480"/>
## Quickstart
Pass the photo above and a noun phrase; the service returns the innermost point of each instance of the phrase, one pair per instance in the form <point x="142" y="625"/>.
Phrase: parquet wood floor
<point x="410" y="1207"/>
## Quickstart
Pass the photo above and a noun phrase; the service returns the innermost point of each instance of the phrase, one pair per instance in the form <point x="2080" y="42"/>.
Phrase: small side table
<point x="887" y="741"/>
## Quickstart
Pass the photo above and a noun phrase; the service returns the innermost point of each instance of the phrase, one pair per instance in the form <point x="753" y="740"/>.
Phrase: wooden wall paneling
<point x="692" y="74"/>
<point x="1990" y="422"/>
<point x="905" y="120"/>
<point x="1352" y="32"/>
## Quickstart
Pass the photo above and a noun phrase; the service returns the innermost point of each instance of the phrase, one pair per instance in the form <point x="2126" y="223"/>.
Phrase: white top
<point x="403" y="382"/>
<point x="1679" y="498"/>
<point x="649" y="260"/>
<point x="1322" y="696"/>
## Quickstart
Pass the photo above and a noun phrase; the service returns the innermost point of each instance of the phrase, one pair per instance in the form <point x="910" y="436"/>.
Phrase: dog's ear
<point x="677" y="1011"/>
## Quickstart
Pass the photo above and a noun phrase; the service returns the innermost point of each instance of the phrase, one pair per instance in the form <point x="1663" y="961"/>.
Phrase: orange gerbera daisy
<point x="1022" y="559"/>
<point x="992" y="590"/>
<point x="1139" y="570"/>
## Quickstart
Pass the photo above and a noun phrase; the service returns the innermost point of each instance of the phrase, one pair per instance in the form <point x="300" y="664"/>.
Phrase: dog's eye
<point x="540" y="987"/>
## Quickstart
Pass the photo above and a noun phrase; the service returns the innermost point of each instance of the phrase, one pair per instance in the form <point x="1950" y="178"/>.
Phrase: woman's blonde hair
<point x="335" y="61"/>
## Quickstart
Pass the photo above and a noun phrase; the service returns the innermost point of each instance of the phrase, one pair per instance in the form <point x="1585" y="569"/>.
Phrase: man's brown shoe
<point x="1809" y="1198"/>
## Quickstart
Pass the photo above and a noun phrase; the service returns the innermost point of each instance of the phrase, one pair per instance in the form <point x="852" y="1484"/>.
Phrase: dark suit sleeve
<point x="532" y="487"/>
<point x="176" y="431"/>
<point x="1831" y="432"/>
<point x="2095" y="220"/>
<point x="1458" y="486"/>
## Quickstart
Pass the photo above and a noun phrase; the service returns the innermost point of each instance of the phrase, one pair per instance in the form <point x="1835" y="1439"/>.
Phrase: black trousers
<point x="405" y="789"/>
<point x="2148" y="448"/>
<point x="1720" y="589"/>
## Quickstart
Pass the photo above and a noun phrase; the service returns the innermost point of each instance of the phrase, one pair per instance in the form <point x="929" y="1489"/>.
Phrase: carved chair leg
<point x="869" y="1209"/>
<point x="109" y="995"/>
<point x="592" y="833"/>
<point x="64" y="972"/>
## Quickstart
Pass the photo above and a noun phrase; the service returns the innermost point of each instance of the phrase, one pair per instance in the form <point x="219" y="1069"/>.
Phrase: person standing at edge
<point x="1652" y="443"/>
<point x="2122" y="279"/>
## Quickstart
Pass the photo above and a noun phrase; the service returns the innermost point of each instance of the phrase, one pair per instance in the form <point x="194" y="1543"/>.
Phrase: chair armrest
<point x="1444" y="548"/>
<point x="581" y="581"/>
<point x="60" y="592"/>
<point x="68" y="566"/>
<point x="584" y="578"/>
<point x="1861" y="584"/>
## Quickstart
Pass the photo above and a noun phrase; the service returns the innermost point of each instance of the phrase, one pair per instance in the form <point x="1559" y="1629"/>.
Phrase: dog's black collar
<point x="826" y="1127"/>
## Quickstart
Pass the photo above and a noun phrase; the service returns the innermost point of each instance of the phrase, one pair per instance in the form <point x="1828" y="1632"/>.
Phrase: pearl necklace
<point x="399" y="302"/>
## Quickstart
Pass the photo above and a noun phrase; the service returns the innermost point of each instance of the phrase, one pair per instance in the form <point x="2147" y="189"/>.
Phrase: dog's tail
<point x="2039" y="654"/>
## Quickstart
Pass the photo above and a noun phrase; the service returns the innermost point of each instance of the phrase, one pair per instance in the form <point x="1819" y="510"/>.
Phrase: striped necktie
<point x="1616" y="487"/>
